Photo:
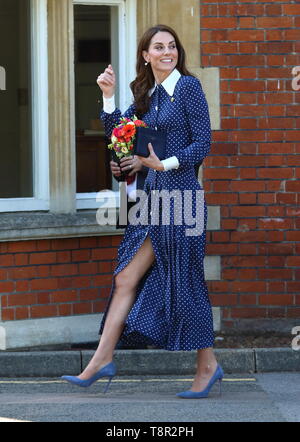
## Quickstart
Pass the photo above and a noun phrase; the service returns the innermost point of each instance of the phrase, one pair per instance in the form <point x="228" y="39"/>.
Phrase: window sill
<point x="44" y="225"/>
<point x="41" y="225"/>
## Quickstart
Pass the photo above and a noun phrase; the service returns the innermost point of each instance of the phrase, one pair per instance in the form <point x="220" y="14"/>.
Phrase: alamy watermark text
<point x="159" y="207"/>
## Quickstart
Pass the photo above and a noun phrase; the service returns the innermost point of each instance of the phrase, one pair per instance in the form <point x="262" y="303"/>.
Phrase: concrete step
<point x="147" y="362"/>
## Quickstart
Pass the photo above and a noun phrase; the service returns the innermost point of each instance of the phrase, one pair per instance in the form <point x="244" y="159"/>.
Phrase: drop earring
<point x="147" y="62"/>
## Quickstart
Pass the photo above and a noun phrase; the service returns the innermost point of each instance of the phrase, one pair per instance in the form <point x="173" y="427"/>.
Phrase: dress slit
<point x="119" y="268"/>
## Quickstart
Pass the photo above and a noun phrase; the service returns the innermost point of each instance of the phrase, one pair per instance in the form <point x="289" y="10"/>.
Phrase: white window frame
<point x="40" y="139"/>
<point x="127" y="61"/>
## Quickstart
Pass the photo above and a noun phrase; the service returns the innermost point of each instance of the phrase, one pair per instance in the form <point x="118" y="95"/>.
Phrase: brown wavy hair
<point x="145" y="79"/>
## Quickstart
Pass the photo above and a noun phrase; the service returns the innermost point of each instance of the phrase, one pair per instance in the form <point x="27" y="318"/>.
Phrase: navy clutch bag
<point x="157" y="138"/>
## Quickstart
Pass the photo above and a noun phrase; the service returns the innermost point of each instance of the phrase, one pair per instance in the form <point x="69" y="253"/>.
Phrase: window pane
<point x="93" y="30"/>
<point x="15" y="100"/>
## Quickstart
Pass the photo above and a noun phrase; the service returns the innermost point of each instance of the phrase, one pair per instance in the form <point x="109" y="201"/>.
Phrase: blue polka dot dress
<point x="172" y="309"/>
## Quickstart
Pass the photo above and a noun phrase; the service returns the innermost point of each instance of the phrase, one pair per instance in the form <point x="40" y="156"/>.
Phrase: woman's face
<point x="162" y="54"/>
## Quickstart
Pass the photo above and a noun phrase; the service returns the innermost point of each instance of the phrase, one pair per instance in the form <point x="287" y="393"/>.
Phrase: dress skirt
<point x="172" y="309"/>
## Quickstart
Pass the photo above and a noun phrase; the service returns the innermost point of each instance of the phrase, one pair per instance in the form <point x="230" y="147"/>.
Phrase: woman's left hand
<point x="152" y="161"/>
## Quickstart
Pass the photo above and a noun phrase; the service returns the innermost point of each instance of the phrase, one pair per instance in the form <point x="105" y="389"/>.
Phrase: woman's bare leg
<point x="206" y="366"/>
<point x="126" y="283"/>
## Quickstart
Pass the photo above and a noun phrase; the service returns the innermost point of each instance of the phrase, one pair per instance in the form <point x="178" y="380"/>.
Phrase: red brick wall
<point x="60" y="277"/>
<point x="253" y="172"/>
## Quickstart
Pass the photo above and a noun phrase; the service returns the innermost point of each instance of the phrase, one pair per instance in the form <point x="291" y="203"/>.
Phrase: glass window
<point x="16" y="172"/>
<point x="94" y="50"/>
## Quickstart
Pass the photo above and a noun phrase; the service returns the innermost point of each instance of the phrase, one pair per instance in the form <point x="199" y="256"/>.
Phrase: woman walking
<point x="159" y="295"/>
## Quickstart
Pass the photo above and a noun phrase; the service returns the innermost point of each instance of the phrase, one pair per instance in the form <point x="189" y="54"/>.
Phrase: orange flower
<point x="129" y="131"/>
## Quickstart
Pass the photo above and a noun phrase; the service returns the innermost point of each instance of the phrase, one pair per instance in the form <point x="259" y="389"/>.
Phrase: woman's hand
<point x="127" y="163"/>
<point x="115" y="169"/>
<point x="107" y="82"/>
<point x="152" y="161"/>
<point x="131" y="163"/>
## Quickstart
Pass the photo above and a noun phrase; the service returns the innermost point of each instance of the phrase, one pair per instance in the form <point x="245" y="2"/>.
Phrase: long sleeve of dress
<point x="199" y="123"/>
<point x="111" y="120"/>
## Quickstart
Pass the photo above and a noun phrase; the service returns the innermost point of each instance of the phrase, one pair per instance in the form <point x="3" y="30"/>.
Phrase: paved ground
<point x="266" y="397"/>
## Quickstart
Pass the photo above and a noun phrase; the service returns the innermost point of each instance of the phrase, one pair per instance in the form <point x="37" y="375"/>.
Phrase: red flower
<point x="118" y="133"/>
<point x="139" y="123"/>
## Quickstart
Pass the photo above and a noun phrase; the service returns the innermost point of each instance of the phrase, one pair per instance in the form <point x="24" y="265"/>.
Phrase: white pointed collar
<point x="169" y="83"/>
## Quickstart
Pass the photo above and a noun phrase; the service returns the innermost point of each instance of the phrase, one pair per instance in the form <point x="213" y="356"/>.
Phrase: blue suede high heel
<point x="217" y="376"/>
<point x="108" y="371"/>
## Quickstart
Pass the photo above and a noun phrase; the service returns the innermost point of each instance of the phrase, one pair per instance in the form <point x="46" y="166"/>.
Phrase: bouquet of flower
<point x="123" y="136"/>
